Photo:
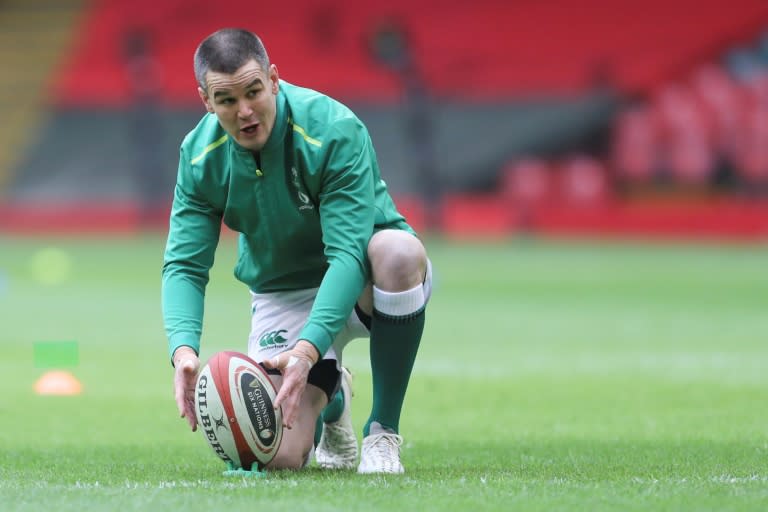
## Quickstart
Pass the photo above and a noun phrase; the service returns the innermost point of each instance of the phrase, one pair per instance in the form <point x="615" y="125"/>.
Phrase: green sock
<point x="318" y="429"/>
<point x="335" y="407"/>
<point x="394" y="343"/>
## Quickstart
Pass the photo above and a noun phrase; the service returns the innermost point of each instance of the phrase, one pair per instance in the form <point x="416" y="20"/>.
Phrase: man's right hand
<point x="295" y="365"/>
<point x="187" y="365"/>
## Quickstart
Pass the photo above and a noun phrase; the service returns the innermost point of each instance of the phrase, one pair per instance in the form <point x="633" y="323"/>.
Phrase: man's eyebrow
<point x="226" y="92"/>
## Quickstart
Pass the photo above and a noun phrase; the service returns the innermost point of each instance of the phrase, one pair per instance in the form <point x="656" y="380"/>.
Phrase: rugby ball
<point x="233" y="403"/>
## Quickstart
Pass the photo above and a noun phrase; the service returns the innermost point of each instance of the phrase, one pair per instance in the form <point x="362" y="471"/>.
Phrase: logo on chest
<point x="305" y="203"/>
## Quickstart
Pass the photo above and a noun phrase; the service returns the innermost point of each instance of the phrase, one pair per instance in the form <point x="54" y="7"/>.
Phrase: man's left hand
<point x="294" y="364"/>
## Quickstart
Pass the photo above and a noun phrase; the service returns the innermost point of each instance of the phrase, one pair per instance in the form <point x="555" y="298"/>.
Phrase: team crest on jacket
<point x="305" y="203"/>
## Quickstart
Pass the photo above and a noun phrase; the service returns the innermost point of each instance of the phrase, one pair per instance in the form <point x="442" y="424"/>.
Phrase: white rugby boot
<point x="381" y="451"/>
<point x="337" y="448"/>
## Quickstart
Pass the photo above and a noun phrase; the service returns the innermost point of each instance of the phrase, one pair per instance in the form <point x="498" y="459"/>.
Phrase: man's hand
<point x="294" y="364"/>
<point x="187" y="365"/>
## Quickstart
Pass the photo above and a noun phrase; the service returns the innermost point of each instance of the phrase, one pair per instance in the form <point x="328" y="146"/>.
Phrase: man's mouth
<point x="250" y="129"/>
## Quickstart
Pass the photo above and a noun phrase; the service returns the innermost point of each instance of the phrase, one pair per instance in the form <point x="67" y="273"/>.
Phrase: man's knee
<point x="398" y="260"/>
<point x="297" y="442"/>
<point x="289" y="457"/>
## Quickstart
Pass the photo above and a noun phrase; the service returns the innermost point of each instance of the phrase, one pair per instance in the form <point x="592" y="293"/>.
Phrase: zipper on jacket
<point x="257" y="160"/>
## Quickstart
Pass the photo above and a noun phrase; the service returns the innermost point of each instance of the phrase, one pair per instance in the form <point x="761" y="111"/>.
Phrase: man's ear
<point x="206" y="99"/>
<point x="274" y="79"/>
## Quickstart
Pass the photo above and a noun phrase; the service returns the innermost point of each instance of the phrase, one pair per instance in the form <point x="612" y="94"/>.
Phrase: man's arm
<point x="192" y="239"/>
<point x="347" y="217"/>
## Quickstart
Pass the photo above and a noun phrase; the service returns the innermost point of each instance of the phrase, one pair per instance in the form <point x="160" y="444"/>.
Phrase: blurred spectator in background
<point x="145" y="125"/>
<point x="390" y="45"/>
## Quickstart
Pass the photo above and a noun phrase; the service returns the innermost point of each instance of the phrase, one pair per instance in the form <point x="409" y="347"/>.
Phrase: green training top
<point x="305" y="207"/>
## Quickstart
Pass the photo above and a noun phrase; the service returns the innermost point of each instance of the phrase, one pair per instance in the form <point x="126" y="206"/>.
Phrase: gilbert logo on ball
<point x="234" y="400"/>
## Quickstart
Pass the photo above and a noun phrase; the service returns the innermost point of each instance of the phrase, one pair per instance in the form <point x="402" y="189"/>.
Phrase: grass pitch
<point x="552" y="376"/>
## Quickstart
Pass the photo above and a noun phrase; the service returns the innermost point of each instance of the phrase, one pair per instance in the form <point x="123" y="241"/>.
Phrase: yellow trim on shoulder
<point x="298" y="129"/>
<point x="210" y="147"/>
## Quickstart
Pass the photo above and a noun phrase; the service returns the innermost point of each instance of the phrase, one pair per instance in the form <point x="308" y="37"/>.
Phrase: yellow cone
<point x="59" y="383"/>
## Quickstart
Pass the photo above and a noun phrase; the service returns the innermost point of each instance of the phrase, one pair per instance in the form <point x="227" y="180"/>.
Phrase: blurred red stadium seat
<point x="583" y="182"/>
<point x="752" y="154"/>
<point x="722" y="104"/>
<point x="528" y="182"/>
<point x="689" y="159"/>
<point x="685" y="144"/>
<point x="634" y="146"/>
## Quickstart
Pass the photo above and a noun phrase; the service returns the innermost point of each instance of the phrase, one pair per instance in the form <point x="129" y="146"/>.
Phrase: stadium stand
<point x="708" y="131"/>
<point x="538" y="108"/>
<point x="506" y="48"/>
<point x="33" y="35"/>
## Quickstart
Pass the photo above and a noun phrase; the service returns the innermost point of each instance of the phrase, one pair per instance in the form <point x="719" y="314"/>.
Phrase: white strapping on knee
<point x="398" y="303"/>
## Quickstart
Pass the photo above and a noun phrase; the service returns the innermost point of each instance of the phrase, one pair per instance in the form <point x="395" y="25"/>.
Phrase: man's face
<point x="244" y="102"/>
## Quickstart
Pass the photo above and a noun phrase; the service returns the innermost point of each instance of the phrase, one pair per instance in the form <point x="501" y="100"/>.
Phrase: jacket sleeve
<point x="346" y="216"/>
<point x="189" y="254"/>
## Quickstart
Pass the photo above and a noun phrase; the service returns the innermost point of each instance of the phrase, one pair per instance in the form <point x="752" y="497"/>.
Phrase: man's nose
<point x="244" y="109"/>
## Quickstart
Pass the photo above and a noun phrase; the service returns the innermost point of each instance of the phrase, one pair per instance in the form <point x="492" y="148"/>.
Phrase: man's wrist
<point x="308" y="350"/>
<point x="182" y="353"/>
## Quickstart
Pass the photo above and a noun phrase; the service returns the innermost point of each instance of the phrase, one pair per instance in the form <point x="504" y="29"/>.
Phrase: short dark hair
<point x="226" y="50"/>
